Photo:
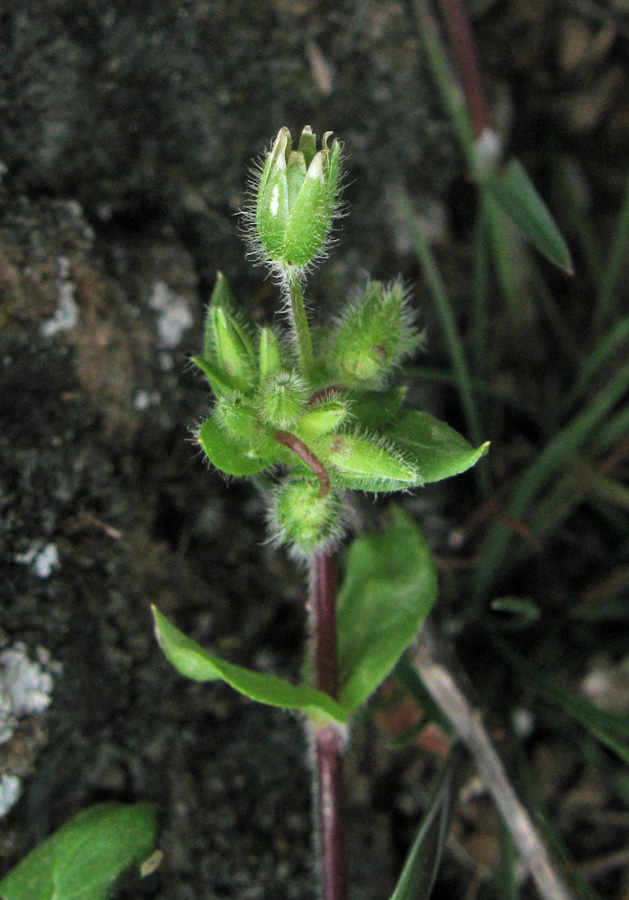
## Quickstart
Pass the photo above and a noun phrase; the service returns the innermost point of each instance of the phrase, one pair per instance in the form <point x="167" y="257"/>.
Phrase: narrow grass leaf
<point x="521" y="612"/>
<point x="389" y="588"/>
<point x="609" y="728"/>
<point x="551" y="460"/>
<point x="581" y="888"/>
<point x="515" y="194"/>
<point x="193" y="661"/>
<point x="615" y="263"/>
<point x="422" y="864"/>
<point x="86" y="858"/>
<point x="508" y="863"/>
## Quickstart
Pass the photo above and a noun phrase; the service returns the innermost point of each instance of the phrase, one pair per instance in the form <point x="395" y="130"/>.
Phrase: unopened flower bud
<point x="375" y="334"/>
<point x="366" y="463"/>
<point x="232" y="349"/>
<point x="322" y="418"/>
<point x="228" y="358"/>
<point x="304" y="518"/>
<point x="237" y="417"/>
<point x="282" y="398"/>
<point x="296" y="199"/>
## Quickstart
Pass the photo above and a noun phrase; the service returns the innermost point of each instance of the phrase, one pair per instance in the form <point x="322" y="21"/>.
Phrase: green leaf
<point x="376" y="408"/>
<point x="437" y="450"/>
<point x="515" y="195"/>
<point x="389" y="588"/>
<point x="191" y="660"/>
<point x="422" y="864"/>
<point x="227" y="454"/>
<point x="85" y="858"/>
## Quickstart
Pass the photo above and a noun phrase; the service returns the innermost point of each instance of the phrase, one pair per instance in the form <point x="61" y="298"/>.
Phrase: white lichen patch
<point x="42" y="558"/>
<point x="66" y="316"/>
<point x="25" y="690"/>
<point x="10" y="790"/>
<point x="174" y="316"/>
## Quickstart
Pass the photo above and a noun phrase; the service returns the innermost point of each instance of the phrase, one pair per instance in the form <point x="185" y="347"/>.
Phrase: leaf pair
<point x="388" y="590"/>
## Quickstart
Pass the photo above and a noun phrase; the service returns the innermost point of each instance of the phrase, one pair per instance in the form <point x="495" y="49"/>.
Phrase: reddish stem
<point x="330" y="739"/>
<point x="462" y="42"/>
<point x="306" y="455"/>
<point x="323" y="617"/>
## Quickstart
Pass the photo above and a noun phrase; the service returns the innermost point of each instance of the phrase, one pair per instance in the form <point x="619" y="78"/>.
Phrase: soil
<point x="126" y="132"/>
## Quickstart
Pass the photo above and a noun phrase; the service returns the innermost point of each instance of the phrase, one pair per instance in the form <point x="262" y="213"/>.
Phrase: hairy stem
<point x="301" y="329"/>
<point x="329" y="740"/>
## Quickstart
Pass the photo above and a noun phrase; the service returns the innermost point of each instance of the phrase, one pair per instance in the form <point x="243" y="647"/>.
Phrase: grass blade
<point x="422" y="864"/>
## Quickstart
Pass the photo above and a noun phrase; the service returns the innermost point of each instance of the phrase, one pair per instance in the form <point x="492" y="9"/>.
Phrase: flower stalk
<point x="299" y="321"/>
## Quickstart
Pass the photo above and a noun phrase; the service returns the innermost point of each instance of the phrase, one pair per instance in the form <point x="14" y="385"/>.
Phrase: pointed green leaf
<point x="86" y="858"/>
<point x="437" y="450"/>
<point x="375" y="408"/>
<point x="515" y="194"/>
<point x="191" y="660"/>
<point x="389" y="588"/>
<point x="227" y="454"/>
<point x="422" y="865"/>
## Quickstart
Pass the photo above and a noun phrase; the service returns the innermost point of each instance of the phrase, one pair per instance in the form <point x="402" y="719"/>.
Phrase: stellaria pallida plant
<point x="311" y="414"/>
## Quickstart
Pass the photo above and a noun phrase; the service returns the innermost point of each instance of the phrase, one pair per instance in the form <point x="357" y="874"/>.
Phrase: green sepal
<point x="372" y="409"/>
<point x="193" y="661"/>
<point x="218" y="384"/>
<point x="272" y="208"/>
<point x="366" y="463"/>
<point x="86" y="857"/>
<point x="389" y="588"/>
<point x="269" y="354"/>
<point x="228" y="454"/>
<point x="436" y="449"/>
<point x="516" y="196"/>
<point x="312" y="213"/>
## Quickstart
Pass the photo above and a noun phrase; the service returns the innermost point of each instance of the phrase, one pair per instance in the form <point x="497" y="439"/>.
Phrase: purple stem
<point x="462" y="42"/>
<point x="329" y="739"/>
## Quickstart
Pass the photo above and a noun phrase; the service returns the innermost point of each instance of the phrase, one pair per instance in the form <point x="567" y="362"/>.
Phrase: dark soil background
<point x="127" y="130"/>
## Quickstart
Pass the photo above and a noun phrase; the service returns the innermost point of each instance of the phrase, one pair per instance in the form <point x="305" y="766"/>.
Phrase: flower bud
<point x="304" y="518"/>
<point x="282" y="398"/>
<point x="238" y="419"/>
<point x="232" y="349"/>
<point x="228" y="358"/>
<point x="296" y="199"/>
<point x="322" y="418"/>
<point x="366" y="463"/>
<point x="374" y="335"/>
